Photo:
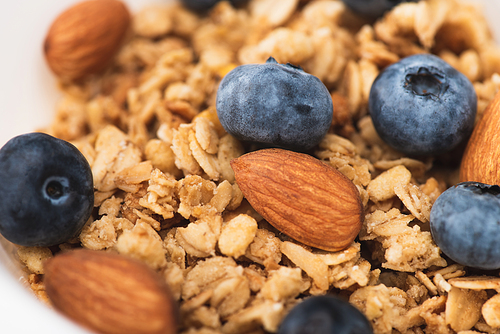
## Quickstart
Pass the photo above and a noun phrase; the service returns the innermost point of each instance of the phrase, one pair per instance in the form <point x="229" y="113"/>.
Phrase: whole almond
<point x="481" y="158"/>
<point x="301" y="196"/>
<point x="83" y="39"/>
<point x="110" y="293"/>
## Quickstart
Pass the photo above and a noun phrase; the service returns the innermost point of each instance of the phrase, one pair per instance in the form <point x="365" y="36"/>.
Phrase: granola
<point x="165" y="192"/>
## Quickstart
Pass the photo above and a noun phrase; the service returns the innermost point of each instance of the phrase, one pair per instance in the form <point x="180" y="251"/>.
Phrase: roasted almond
<point x="301" y="196"/>
<point x="83" y="39"/>
<point x="110" y="293"/>
<point x="481" y="159"/>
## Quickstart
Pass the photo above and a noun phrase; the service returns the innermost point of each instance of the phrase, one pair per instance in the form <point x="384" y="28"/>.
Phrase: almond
<point x="301" y="196"/>
<point x="110" y="293"/>
<point x="83" y="39"/>
<point x="481" y="159"/>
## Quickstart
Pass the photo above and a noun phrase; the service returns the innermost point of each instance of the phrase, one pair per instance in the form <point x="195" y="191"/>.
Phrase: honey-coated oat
<point x="165" y="192"/>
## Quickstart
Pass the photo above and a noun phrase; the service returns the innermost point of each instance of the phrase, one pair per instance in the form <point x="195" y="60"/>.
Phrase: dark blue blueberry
<point x="47" y="190"/>
<point x="422" y="106"/>
<point x="373" y="8"/>
<point x="203" y="6"/>
<point x="274" y="104"/>
<point x="325" y="315"/>
<point x="465" y="224"/>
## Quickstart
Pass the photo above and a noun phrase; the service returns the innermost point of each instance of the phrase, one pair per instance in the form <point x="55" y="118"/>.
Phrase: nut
<point x="482" y="154"/>
<point x="110" y="293"/>
<point x="301" y="196"/>
<point x="83" y="39"/>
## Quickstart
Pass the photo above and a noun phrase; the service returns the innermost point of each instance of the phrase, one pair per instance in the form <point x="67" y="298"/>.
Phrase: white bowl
<point x="28" y="96"/>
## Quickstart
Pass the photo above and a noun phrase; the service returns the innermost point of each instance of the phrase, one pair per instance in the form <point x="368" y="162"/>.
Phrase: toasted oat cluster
<point x="165" y="192"/>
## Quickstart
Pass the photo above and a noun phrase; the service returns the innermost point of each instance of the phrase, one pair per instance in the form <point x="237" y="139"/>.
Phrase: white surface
<point x="28" y="96"/>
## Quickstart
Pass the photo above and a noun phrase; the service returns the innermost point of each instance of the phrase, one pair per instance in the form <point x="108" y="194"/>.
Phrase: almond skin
<point x="301" y="196"/>
<point x="481" y="159"/>
<point x="109" y="293"/>
<point x="83" y="39"/>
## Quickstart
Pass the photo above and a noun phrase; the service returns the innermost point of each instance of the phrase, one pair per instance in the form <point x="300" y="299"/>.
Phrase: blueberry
<point x="203" y="6"/>
<point x="422" y="106"/>
<point x="373" y="8"/>
<point x="465" y="224"/>
<point x="274" y="104"/>
<point x="47" y="190"/>
<point x="325" y="314"/>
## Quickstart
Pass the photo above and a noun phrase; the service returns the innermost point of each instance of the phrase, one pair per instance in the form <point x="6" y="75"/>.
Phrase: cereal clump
<point x="165" y="192"/>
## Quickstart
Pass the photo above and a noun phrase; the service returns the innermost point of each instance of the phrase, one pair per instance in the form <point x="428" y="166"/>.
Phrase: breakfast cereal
<point x="165" y="192"/>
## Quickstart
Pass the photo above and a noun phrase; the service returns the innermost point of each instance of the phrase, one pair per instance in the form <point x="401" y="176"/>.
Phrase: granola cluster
<point x="165" y="192"/>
